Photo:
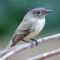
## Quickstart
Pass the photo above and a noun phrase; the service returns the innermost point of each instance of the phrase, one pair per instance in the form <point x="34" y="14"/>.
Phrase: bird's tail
<point x="10" y="46"/>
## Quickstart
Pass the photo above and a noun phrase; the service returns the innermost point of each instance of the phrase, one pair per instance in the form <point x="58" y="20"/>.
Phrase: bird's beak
<point x="48" y="11"/>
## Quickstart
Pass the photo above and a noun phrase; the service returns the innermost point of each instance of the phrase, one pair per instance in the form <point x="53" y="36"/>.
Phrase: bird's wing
<point x="23" y="30"/>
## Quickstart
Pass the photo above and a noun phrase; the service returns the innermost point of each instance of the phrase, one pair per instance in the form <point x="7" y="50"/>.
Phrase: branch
<point x="45" y="55"/>
<point x="26" y="45"/>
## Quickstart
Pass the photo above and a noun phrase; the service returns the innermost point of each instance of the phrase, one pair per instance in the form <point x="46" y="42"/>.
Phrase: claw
<point x="35" y="41"/>
<point x="31" y="42"/>
<point x="28" y="42"/>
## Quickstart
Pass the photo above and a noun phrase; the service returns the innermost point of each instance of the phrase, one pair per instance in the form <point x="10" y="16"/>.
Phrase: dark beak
<point x="48" y="11"/>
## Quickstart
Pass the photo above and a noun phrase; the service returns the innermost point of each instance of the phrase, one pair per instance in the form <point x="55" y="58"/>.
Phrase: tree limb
<point x="45" y="55"/>
<point x="26" y="45"/>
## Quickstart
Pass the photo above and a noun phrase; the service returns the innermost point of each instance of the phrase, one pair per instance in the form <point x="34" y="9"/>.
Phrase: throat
<point x="40" y="24"/>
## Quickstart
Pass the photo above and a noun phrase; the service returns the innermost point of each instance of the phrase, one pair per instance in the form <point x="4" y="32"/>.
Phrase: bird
<point x="31" y="25"/>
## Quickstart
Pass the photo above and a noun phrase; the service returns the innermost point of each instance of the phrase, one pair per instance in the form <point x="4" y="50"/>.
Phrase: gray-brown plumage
<point x="31" y="25"/>
<point x="23" y="30"/>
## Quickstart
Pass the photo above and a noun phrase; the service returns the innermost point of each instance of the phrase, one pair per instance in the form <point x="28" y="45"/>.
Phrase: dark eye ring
<point x="38" y="12"/>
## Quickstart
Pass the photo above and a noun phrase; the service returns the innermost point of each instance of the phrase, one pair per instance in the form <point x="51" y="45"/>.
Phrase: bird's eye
<point x="38" y="12"/>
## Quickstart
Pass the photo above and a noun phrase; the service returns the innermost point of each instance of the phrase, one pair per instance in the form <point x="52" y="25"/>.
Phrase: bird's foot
<point x="35" y="41"/>
<point x="29" y="42"/>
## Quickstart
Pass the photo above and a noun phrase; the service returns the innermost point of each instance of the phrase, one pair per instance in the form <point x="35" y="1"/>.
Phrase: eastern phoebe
<point x="31" y="25"/>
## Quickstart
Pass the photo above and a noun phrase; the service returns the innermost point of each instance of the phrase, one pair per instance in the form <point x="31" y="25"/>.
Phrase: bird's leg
<point x="35" y="41"/>
<point x="25" y="41"/>
<point x="28" y="42"/>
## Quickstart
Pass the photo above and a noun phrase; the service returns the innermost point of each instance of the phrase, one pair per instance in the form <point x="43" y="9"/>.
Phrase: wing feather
<point x="23" y="30"/>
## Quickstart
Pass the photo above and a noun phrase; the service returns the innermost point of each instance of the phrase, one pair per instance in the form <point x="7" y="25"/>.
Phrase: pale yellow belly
<point x="31" y="35"/>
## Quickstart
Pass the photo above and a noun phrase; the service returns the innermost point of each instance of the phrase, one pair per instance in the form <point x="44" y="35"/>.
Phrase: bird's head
<point x="39" y="12"/>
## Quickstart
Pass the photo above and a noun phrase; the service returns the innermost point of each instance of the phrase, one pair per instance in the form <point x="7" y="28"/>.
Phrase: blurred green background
<point x="13" y="11"/>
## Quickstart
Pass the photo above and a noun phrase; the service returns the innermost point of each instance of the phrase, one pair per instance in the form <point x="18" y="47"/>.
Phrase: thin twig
<point x="45" y="55"/>
<point x="26" y="45"/>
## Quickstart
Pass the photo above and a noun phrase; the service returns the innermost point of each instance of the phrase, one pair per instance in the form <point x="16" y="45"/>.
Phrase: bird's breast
<point x="38" y="26"/>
